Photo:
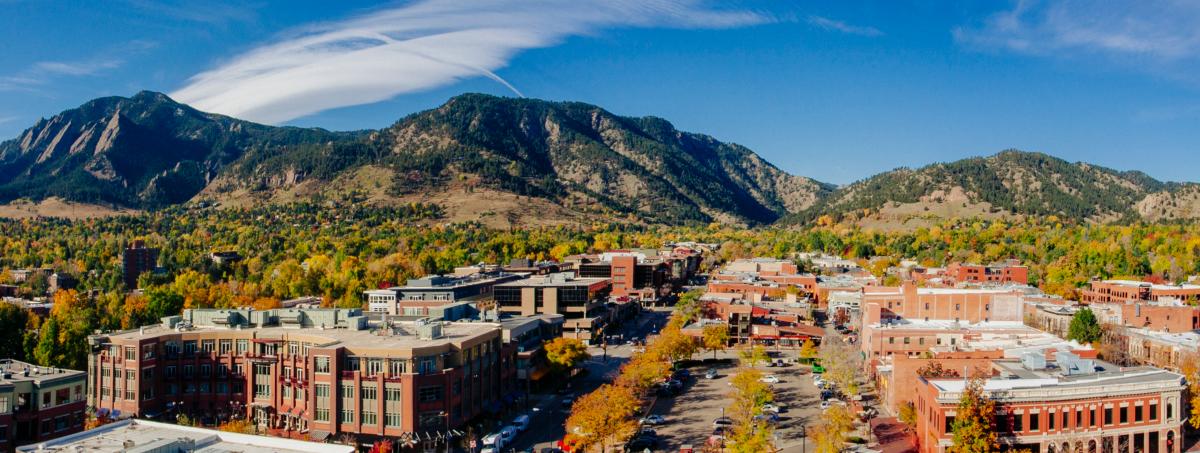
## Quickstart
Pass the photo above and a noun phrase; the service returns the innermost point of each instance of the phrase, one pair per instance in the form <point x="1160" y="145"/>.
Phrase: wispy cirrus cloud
<point x="1159" y="30"/>
<point x="43" y="72"/>
<point x="826" y="23"/>
<point x="417" y="47"/>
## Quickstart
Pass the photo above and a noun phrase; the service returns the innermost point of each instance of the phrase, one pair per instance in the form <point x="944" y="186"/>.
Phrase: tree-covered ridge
<point x="1011" y="182"/>
<point x="336" y="250"/>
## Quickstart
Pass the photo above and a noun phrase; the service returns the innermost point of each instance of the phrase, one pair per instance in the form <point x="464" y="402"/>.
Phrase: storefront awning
<point x="319" y="435"/>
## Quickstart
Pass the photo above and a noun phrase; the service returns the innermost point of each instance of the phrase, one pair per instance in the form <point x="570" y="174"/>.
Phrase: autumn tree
<point x="755" y="355"/>
<point x="564" y="354"/>
<point x="603" y="417"/>
<point x="832" y="429"/>
<point x="808" y="350"/>
<point x="974" y="427"/>
<point x="238" y="425"/>
<point x="908" y="415"/>
<point x="715" y="338"/>
<point x="934" y="369"/>
<point x="642" y="372"/>
<point x="748" y="396"/>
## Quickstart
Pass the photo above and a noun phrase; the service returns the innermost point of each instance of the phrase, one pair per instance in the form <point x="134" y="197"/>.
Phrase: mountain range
<point x="506" y="161"/>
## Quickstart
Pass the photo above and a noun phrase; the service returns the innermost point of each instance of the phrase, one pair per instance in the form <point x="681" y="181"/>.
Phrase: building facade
<point x="1010" y="271"/>
<point x="137" y="260"/>
<point x="580" y="301"/>
<point x="39" y="403"/>
<point x="1085" y="406"/>
<point x="1126" y="290"/>
<point x="306" y="373"/>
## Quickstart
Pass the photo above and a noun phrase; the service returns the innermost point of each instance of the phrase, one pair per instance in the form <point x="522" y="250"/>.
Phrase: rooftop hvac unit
<point x="1033" y="361"/>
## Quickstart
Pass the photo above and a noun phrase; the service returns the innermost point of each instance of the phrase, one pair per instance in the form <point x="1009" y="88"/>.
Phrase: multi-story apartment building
<point x="580" y="300"/>
<point x="1125" y="290"/>
<point x="137" y="260"/>
<point x="960" y="305"/>
<point x="1074" y="405"/>
<point x="38" y="403"/>
<point x="1171" y="316"/>
<point x="1010" y="271"/>
<point x="437" y="289"/>
<point x="632" y="273"/>
<point x="306" y="373"/>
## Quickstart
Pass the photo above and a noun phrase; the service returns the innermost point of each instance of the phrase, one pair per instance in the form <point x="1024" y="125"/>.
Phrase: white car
<point x="825" y="405"/>
<point x="508" y="433"/>
<point x="819" y="382"/>
<point x="654" y="420"/>
<point x="773" y="408"/>
<point x="770" y="379"/>
<point x="494" y="440"/>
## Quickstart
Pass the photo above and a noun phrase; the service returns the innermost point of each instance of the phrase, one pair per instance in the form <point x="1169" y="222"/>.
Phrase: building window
<point x="1035" y="422"/>
<point x="1092" y="418"/>
<point x="169" y="371"/>
<point x="322" y="415"/>
<point x="429" y="394"/>
<point x="1050" y="419"/>
<point x="188" y="371"/>
<point x="1137" y="413"/>
<point x="1108" y="416"/>
<point x="205" y="370"/>
<point x="1153" y="412"/>
<point x="189" y="347"/>
<point x="321" y="365"/>
<point x="1018" y="423"/>
<point x="949" y="423"/>
<point x="208" y="346"/>
<point x="1124" y="415"/>
<point x="346" y="416"/>
<point x="391" y="419"/>
<point x="148" y="351"/>
<point x="369" y="418"/>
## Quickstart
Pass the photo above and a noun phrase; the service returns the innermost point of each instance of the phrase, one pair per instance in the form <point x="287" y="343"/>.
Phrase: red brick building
<point x="39" y="403"/>
<point x="1093" y="407"/>
<point x="1125" y="290"/>
<point x="306" y="373"/>
<point x="1010" y="271"/>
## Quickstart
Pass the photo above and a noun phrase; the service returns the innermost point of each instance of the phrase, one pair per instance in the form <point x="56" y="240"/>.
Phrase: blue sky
<point x="833" y="90"/>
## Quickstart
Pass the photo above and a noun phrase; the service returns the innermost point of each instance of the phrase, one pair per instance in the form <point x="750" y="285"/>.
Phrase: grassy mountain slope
<point x="148" y="151"/>
<point x="1010" y="183"/>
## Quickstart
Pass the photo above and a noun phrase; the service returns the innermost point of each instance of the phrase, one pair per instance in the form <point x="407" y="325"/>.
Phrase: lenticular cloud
<point x="417" y="47"/>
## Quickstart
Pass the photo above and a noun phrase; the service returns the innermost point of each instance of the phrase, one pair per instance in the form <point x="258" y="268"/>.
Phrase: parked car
<point x="521" y="423"/>
<point x="770" y="408"/>
<point x="641" y="443"/>
<point x="508" y="433"/>
<point x="488" y="450"/>
<point x="682" y="374"/>
<point x="770" y="379"/>
<point x="722" y="422"/>
<point x="653" y="420"/>
<point x="494" y="440"/>
<point x="711" y="373"/>
<point x="767" y="418"/>
<point x="825" y="404"/>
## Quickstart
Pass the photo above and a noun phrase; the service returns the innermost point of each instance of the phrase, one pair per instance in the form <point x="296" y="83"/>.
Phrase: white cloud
<point x="1144" y="30"/>
<point x="839" y="26"/>
<point x="40" y="73"/>
<point x="417" y="47"/>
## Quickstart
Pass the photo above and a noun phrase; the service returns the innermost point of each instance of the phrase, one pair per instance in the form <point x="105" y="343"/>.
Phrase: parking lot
<point x="689" y="416"/>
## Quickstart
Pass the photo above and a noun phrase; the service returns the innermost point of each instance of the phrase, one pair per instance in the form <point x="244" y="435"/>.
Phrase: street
<point x="548" y="415"/>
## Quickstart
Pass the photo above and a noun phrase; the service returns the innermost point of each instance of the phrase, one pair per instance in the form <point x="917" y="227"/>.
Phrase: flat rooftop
<point x="1108" y="376"/>
<point x="555" y="280"/>
<point x="12" y="371"/>
<point x="1157" y="286"/>
<point x="145" y="436"/>
<point x="403" y="336"/>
